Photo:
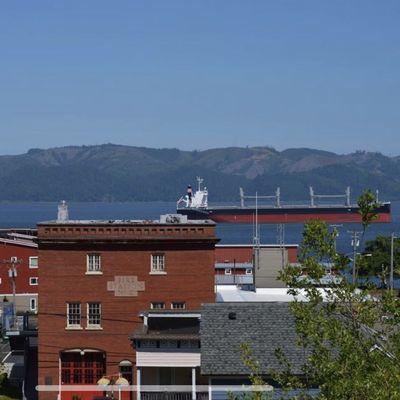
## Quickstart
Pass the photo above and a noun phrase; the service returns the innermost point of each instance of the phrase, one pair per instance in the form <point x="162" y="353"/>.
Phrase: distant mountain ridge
<point x="112" y="172"/>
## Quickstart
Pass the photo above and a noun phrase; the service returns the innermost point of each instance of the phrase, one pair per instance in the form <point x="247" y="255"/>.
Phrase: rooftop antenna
<point x="62" y="215"/>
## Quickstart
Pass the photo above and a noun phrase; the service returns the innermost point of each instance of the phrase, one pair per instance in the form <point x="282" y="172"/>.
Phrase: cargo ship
<point x="195" y="206"/>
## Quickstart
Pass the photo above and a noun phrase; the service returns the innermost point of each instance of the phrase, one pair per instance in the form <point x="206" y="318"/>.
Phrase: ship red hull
<point x="286" y="215"/>
<point x="294" y="218"/>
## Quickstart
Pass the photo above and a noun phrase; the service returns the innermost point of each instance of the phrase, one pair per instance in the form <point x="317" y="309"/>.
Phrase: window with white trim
<point x="249" y="271"/>
<point x="157" y="305"/>
<point x="93" y="262"/>
<point x="178" y="305"/>
<point x="33" y="281"/>
<point x="228" y="271"/>
<point x="32" y="304"/>
<point x="73" y="315"/>
<point x="94" y="315"/>
<point x="158" y="263"/>
<point x="33" y="262"/>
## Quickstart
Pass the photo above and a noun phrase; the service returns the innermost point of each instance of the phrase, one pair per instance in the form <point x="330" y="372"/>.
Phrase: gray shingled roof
<point x="264" y="326"/>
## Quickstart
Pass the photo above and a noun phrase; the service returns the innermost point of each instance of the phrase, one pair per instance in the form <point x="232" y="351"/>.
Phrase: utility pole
<point x="355" y="242"/>
<point x="12" y="273"/>
<point x="256" y="244"/>
<point x="335" y="226"/>
<point x="281" y="242"/>
<point x="391" y="280"/>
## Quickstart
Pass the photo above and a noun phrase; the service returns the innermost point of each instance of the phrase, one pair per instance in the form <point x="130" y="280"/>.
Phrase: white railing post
<point x="138" y="379"/>
<point x="194" y="383"/>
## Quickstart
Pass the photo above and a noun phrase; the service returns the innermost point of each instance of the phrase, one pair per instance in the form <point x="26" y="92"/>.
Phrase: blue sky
<point x="200" y="74"/>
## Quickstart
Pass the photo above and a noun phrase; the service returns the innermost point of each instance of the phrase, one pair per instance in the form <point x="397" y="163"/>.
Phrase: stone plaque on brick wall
<point x="125" y="286"/>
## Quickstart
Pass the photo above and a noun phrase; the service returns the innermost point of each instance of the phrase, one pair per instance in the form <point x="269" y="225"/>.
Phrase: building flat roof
<point x="273" y="246"/>
<point x="126" y="222"/>
<point x="233" y="294"/>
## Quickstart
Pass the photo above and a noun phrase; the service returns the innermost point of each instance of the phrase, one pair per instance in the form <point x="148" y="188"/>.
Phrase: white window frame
<point x="157" y="308"/>
<point x="33" y="299"/>
<point x="249" y="271"/>
<point x="157" y="264"/>
<point x="178" y="308"/>
<point x="30" y="262"/>
<point x="93" y="267"/>
<point x="30" y="280"/>
<point x="228" y="269"/>
<point x="74" y="326"/>
<point x="90" y="325"/>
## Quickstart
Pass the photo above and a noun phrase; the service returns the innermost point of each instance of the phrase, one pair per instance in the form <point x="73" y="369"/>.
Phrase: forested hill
<point x="121" y="173"/>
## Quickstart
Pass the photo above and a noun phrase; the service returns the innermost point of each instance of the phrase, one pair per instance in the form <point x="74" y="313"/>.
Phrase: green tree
<point x="260" y="390"/>
<point x="376" y="258"/>
<point x="367" y="204"/>
<point x="351" y="336"/>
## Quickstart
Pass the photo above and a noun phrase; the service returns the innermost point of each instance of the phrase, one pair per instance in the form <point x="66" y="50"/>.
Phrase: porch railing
<point x="172" y="396"/>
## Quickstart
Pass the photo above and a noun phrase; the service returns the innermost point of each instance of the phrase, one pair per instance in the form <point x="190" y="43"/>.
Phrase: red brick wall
<point x="228" y="254"/>
<point x="8" y="250"/>
<point x="245" y="254"/>
<point x="189" y="278"/>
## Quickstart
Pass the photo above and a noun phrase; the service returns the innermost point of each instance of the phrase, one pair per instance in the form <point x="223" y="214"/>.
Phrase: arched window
<point x="125" y="369"/>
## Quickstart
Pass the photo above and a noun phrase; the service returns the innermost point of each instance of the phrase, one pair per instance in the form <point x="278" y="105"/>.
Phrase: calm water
<point x="28" y="214"/>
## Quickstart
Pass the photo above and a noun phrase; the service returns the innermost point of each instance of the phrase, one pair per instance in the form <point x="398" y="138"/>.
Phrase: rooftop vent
<point x="232" y="315"/>
<point x="173" y="219"/>
<point x="62" y="215"/>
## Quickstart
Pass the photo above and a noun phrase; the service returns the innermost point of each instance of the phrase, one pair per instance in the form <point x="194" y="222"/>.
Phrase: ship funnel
<point x="62" y="215"/>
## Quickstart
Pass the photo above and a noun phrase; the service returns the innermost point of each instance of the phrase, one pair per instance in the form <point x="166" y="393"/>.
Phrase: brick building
<point x="22" y="248"/>
<point x="234" y="264"/>
<point x="98" y="277"/>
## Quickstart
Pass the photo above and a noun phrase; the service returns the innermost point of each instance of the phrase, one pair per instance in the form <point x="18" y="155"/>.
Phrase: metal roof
<point x="18" y="242"/>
